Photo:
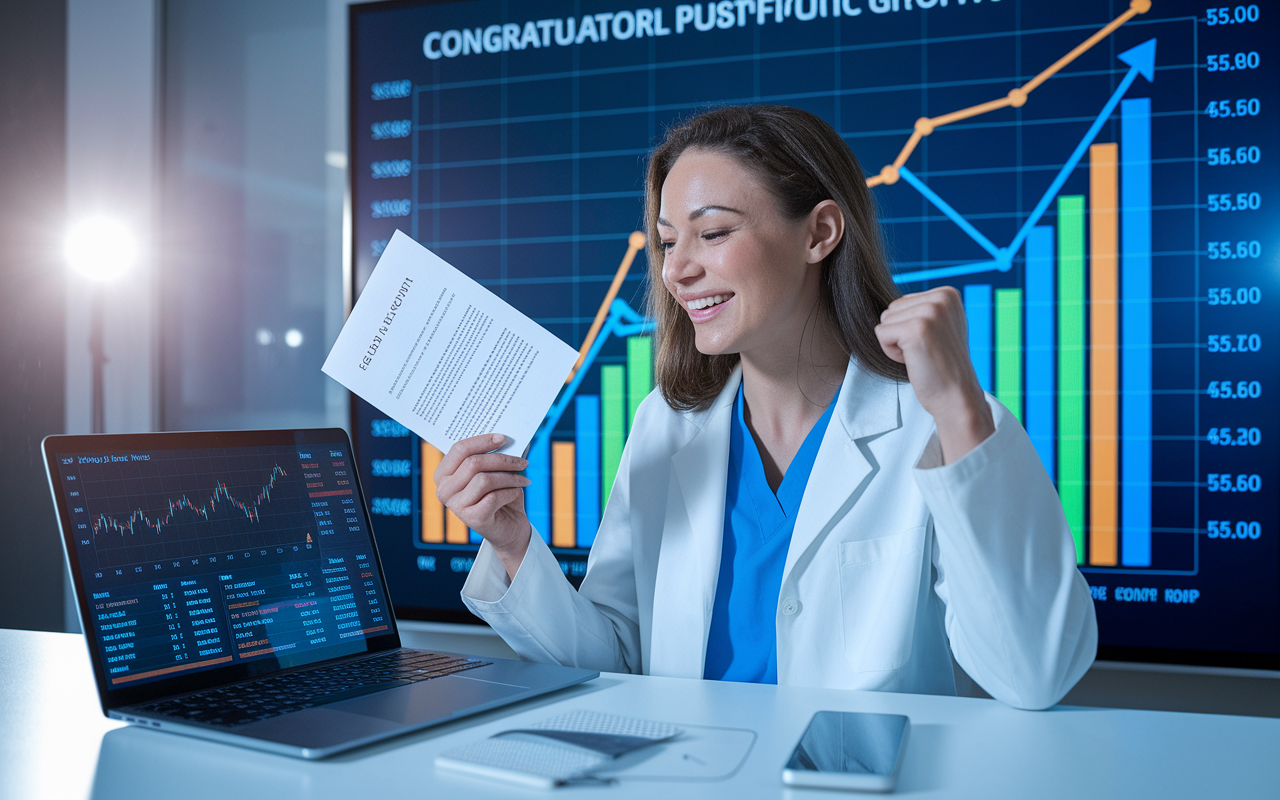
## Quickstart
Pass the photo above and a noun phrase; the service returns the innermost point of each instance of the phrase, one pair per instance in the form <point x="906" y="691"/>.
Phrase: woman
<point x="818" y="492"/>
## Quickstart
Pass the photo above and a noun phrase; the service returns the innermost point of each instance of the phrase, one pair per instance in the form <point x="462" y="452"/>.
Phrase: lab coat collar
<point x="868" y="406"/>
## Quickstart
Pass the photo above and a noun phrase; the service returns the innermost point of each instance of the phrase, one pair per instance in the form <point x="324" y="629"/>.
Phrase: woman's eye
<point x="713" y="235"/>
<point x="666" y="246"/>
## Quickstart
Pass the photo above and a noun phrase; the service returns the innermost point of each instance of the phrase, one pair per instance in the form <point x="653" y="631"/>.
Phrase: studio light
<point x="101" y="249"/>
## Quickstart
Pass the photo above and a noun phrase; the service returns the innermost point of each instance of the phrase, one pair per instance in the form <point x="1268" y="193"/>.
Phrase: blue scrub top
<point x="743" y="641"/>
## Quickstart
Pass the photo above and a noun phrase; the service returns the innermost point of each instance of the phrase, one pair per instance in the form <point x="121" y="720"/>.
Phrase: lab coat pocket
<point x="879" y="587"/>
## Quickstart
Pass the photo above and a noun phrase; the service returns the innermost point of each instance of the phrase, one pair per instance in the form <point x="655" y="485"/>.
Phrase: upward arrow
<point x="1141" y="61"/>
<point x="1142" y="58"/>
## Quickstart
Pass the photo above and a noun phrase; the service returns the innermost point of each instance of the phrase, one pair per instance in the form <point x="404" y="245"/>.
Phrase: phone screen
<point x="851" y="743"/>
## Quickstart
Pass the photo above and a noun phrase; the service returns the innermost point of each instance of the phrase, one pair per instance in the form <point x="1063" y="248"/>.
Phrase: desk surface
<point x="55" y="743"/>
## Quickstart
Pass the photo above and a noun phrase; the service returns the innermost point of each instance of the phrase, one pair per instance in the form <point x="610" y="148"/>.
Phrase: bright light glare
<point x="293" y="337"/>
<point x="265" y="337"/>
<point x="101" y="248"/>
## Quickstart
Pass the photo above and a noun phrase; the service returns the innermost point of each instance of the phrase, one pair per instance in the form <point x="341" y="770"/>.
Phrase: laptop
<point x="229" y="588"/>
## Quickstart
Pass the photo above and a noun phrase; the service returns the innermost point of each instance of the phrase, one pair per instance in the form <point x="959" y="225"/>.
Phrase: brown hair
<point x="802" y="161"/>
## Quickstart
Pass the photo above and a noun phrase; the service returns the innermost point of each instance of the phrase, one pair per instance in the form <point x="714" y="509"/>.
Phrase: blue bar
<point x="587" y="468"/>
<point x="1041" y="346"/>
<point x="537" y="495"/>
<point x="977" y="307"/>
<point x="1135" y="332"/>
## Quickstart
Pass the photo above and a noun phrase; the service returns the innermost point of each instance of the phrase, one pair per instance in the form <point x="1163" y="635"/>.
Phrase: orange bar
<point x="563" y="516"/>
<point x="432" y="509"/>
<point x="1104" y="351"/>
<point x="455" y="530"/>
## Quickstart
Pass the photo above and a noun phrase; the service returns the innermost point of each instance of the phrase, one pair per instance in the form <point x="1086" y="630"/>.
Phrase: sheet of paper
<point x="445" y="357"/>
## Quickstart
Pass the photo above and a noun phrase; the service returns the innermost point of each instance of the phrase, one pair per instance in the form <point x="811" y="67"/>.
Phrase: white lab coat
<point x="896" y="561"/>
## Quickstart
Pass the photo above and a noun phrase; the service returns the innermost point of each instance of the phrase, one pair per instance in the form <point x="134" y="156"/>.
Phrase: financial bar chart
<point x="568" y="476"/>
<point x="1090" y="177"/>
<point x="601" y="425"/>
<point x="1117" y="359"/>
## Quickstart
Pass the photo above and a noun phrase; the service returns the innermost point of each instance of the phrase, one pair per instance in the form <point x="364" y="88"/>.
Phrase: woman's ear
<point x="826" y="229"/>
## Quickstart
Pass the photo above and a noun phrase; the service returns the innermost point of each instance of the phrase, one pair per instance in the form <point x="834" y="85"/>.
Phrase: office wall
<point x="32" y="210"/>
<point x="252" y="182"/>
<point x="111" y="141"/>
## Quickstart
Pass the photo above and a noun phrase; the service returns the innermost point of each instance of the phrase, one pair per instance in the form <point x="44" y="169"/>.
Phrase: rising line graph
<point x="1141" y="61"/>
<point x="634" y="243"/>
<point x="1016" y="98"/>
<point x="617" y="318"/>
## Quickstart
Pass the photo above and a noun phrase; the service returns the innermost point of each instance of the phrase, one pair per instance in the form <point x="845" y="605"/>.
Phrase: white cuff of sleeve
<point x="488" y="581"/>
<point x="972" y="462"/>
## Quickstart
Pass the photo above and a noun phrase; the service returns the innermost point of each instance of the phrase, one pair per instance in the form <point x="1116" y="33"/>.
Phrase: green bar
<point x="639" y="373"/>
<point x="1071" y="366"/>
<point x="613" y="423"/>
<point x="1009" y="349"/>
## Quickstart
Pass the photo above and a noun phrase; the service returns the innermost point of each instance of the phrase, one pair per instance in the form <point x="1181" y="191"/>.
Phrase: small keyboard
<point x="272" y="696"/>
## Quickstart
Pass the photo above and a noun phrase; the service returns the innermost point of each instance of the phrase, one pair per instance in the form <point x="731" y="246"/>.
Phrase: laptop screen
<point x="197" y="558"/>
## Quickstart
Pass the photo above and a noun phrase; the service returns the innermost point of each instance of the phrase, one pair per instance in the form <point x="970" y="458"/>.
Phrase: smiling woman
<point x="819" y="492"/>
<point x="799" y="162"/>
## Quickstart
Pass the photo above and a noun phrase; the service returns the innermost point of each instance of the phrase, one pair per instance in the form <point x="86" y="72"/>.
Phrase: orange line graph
<point x="1016" y="98"/>
<point x="634" y="243"/>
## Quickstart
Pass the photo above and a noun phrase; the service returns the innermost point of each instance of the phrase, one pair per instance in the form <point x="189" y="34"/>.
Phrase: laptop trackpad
<point x="440" y="698"/>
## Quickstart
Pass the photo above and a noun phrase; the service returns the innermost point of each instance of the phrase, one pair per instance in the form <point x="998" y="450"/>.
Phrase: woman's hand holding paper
<point x="486" y="491"/>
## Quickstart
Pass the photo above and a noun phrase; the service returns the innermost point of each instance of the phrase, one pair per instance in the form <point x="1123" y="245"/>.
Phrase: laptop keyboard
<point x="280" y="694"/>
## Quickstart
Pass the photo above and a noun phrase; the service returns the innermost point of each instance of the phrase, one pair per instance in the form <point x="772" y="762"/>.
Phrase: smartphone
<point x="848" y="750"/>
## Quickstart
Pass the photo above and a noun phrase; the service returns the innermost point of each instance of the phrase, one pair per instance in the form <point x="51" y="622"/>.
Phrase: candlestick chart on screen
<point x="135" y="517"/>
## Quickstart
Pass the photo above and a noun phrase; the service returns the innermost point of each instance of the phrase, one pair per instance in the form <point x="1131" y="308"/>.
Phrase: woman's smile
<point x="708" y="307"/>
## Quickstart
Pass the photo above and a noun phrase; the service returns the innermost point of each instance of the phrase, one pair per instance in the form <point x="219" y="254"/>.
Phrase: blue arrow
<point x="1141" y="61"/>
<point x="1142" y="58"/>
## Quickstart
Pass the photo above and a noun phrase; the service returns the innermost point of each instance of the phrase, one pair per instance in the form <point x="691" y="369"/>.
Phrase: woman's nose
<point x="677" y="267"/>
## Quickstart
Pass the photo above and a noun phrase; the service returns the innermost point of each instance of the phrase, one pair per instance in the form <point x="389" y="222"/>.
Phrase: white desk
<point x="55" y="743"/>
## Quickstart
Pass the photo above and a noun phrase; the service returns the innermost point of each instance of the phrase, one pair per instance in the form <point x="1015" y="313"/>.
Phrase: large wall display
<point x="1096" y="177"/>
